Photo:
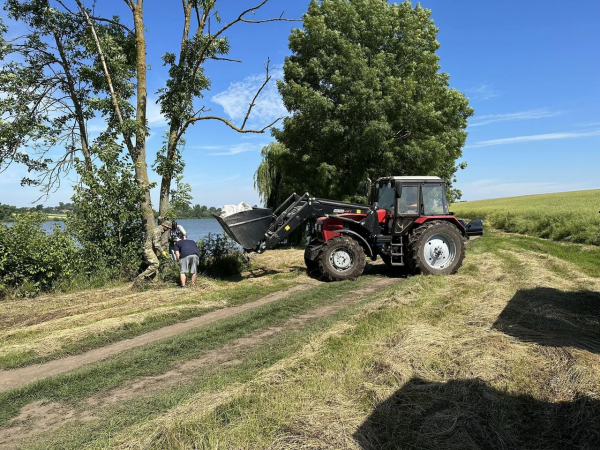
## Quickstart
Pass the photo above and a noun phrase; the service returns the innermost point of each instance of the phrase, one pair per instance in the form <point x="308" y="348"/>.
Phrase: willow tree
<point x="366" y="98"/>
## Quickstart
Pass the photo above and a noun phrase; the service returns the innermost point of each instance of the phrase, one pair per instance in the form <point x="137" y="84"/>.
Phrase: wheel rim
<point x="341" y="259"/>
<point x="439" y="252"/>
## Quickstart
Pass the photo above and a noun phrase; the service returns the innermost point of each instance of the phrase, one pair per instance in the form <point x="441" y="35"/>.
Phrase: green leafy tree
<point x="44" y="92"/>
<point x="106" y="220"/>
<point x="366" y="99"/>
<point x="6" y="212"/>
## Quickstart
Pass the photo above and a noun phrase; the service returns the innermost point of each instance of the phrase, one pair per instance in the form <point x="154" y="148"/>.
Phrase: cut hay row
<point x="51" y="326"/>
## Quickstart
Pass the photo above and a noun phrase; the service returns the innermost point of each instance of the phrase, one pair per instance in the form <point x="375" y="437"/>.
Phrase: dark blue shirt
<point x="186" y="247"/>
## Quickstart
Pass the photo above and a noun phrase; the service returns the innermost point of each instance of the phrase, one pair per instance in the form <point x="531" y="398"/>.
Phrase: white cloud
<point x="229" y="150"/>
<point x="494" y="188"/>
<point x="535" y="137"/>
<point x="539" y="113"/>
<point x="153" y="115"/>
<point x="585" y="125"/>
<point x="236" y="98"/>
<point x="483" y="91"/>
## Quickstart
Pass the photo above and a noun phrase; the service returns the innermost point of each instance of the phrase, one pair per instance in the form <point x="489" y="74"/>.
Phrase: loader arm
<point x="283" y="221"/>
<point x="298" y="209"/>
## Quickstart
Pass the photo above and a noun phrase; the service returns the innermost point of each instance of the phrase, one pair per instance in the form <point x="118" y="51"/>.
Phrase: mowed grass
<point x="502" y="355"/>
<point x="40" y="329"/>
<point x="505" y="354"/>
<point x="565" y="216"/>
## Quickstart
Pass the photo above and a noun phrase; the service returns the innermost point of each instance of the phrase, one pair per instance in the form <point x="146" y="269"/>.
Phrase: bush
<point x="30" y="260"/>
<point x="220" y="256"/>
<point x="106" y="220"/>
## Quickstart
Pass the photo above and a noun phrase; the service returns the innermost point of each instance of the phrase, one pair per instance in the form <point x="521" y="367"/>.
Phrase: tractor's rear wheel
<point x="341" y="258"/>
<point x="436" y="247"/>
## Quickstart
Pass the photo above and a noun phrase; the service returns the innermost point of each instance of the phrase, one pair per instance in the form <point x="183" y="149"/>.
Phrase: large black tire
<point x="435" y="248"/>
<point x="312" y="265"/>
<point x="342" y="258"/>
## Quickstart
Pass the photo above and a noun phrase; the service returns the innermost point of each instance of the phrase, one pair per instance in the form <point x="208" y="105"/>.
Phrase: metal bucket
<point x="247" y="228"/>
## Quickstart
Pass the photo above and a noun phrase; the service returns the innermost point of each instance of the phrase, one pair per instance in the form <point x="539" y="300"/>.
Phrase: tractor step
<point x="397" y="255"/>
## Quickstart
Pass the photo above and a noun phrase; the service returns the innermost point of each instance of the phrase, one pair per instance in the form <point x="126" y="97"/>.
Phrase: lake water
<point x="195" y="228"/>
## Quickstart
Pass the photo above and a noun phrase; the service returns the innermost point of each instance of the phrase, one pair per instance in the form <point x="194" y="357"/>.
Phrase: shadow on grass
<point x="553" y="318"/>
<point x="468" y="414"/>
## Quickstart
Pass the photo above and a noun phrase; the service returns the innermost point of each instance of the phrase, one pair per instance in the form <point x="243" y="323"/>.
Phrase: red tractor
<point x="408" y="224"/>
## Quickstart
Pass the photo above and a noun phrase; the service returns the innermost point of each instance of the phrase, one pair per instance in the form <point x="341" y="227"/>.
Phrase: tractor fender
<point x="453" y="220"/>
<point x="361" y="240"/>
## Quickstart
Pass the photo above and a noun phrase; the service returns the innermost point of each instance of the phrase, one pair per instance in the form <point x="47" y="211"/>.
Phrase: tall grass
<point x="566" y="216"/>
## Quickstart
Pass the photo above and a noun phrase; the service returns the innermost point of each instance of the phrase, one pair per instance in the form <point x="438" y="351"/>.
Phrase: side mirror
<point x="398" y="187"/>
<point x="368" y="189"/>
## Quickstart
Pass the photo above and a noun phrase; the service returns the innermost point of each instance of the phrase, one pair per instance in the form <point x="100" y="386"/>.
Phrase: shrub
<point x="32" y="261"/>
<point x="220" y="256"/>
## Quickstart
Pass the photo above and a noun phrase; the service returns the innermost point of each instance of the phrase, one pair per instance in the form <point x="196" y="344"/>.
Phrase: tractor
<point x="407" y="224"/>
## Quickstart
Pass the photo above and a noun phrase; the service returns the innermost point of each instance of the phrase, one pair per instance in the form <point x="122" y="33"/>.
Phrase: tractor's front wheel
<point x="342" y="258"/>
<point x="436" y="247"/>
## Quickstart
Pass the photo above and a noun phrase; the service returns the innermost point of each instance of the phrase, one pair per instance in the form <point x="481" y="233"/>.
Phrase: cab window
<point x="409" y="202"/>
<point x="387" y="194"/>
<point x="434" y="200"/>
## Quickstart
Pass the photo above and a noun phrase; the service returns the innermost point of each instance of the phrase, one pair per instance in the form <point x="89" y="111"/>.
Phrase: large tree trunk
<point x="167" y="177"/>
<point x="139" y="155"/>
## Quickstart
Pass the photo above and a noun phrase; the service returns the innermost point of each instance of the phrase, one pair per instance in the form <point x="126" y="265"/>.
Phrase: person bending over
<point x="188" y="255"/>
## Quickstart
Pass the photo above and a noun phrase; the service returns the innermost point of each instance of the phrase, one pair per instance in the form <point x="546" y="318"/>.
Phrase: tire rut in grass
<point x="41" y="416"/>
<point x="10" y="379"/>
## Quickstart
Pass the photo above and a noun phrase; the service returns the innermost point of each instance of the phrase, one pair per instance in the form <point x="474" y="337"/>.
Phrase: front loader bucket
<point x="247" y="228"/>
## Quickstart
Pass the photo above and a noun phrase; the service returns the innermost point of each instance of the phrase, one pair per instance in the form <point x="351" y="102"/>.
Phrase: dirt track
<point x="10" y="379"/>
<point x="41" y="416"/>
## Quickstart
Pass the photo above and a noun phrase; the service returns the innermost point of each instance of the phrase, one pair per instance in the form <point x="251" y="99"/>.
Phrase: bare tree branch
<point x="218" y="58"/>
<point x="240" y="18"/>
<point x="251" y="105"/>
<point x="230" y="125"/>
<point x="98" y="19"/>
<point x="113" y="95"/>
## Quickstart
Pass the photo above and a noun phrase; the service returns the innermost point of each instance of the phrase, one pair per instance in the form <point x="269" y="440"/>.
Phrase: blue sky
<point x="530" y="69"/>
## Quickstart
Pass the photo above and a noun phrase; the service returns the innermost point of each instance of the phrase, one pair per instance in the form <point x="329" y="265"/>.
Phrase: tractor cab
<point x="405" y="199"/>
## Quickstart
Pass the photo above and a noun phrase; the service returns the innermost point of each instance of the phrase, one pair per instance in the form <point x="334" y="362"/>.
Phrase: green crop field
<point x="566" y="216"/>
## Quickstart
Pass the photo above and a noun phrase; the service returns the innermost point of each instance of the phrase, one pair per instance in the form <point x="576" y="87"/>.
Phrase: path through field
<point x="39" y="417"/>
<point x="10" y="379"/>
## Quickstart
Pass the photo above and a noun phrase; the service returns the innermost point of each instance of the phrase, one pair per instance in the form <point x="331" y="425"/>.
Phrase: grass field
<point x="505" y="354"/>
<point x="565" y="216"/>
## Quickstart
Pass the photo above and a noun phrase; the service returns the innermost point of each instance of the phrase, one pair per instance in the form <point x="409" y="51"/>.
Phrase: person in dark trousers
<point x="188" y="255"/>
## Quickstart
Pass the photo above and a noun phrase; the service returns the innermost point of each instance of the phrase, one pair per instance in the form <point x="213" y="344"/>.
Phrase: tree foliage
<point x="106" y="220"/>
<point x="367" y="99"/>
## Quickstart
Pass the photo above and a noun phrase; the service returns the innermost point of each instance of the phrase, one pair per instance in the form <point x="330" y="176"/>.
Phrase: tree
<point x="80" y="65"/>
<point x="187" y="82"/>
<point x="269" y="179"/>
<point x="106" y="221"/>
<point x="45" y="92"/>
<point x="366" y="99"/>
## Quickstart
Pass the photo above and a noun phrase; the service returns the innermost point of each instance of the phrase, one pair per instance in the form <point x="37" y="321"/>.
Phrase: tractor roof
<point x="413" y="178"/>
